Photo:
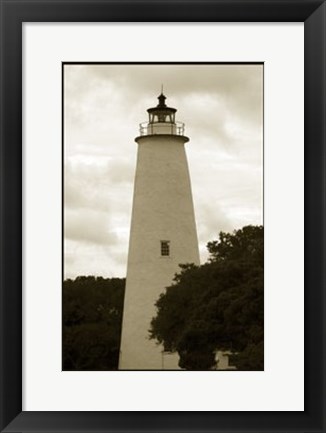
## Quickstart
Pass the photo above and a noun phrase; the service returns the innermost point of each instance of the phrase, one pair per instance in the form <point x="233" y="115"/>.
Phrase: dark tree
<point x="92" y="316"/>
<point x="217" y="306"/>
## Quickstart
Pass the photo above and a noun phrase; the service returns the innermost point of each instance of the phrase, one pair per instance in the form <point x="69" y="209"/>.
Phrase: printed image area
<point x="163" y="239"/>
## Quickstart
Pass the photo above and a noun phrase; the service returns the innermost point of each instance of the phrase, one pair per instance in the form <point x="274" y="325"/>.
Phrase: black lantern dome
<point x="161" y="113"/>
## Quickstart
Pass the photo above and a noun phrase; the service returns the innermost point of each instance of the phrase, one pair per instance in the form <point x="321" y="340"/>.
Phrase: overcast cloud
<point x="222" y="108"/>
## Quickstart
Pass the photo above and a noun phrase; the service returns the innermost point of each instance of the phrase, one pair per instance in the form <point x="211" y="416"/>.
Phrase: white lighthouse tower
<point x="163" y="234"/>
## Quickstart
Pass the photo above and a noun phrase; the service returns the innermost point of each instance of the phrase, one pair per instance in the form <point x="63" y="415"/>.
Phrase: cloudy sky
<point x="222" y="108"/>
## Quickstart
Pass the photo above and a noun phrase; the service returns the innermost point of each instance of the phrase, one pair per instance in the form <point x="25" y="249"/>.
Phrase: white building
<point x="162" y="236"/>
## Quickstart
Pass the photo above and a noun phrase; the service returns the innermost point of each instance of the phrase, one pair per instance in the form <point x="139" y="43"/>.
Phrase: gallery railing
<point x="176" y="128"/>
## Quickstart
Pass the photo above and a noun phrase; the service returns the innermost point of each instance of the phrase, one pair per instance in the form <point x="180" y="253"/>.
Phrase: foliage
<point x="92" y="316"/>
<point x="217" y="306"/>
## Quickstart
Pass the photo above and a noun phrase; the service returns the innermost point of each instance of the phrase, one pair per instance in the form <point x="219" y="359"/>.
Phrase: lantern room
<point x="161" y="120"/>
<point x="161" y="113"/>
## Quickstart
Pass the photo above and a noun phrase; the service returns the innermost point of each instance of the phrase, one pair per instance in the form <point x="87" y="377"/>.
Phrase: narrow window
<point x="165" y="248"/>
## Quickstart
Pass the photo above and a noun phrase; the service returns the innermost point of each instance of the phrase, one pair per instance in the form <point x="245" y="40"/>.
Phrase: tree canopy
<point x="92" y="316"/>
<point x="217" y="306"/>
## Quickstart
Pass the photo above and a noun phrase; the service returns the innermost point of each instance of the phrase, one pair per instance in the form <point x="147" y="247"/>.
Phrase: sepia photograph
<point x="163" y="216"/>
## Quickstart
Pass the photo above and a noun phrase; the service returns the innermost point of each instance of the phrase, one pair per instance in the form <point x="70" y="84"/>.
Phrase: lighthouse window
<point x="165" y="248"/>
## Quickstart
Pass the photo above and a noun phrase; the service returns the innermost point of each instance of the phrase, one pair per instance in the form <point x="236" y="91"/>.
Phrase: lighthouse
<point x="163" y="234"/>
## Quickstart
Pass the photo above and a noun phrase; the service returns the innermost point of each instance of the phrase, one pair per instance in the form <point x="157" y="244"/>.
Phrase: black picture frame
<point x="13" y="14"/>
